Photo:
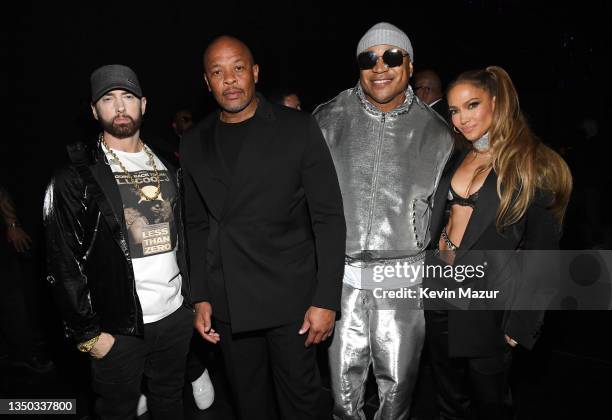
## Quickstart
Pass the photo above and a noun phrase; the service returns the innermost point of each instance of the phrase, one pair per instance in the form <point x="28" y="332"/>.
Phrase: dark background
<point x="554" y="53"/>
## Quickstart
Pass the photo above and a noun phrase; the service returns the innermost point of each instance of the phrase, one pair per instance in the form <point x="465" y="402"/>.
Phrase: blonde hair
<point x="523" y="163"/>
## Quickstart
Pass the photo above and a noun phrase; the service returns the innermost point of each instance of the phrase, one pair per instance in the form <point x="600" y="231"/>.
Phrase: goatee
<point x="122" y="131"/>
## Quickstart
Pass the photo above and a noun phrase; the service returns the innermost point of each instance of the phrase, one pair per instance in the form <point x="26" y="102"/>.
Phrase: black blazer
<point x="480" y="333"/>
<point x="441" y="107"/>
<point x="268" y="241"/>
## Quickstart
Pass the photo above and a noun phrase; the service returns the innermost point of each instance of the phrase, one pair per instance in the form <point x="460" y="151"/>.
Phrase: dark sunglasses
<point x="392" y="58"/>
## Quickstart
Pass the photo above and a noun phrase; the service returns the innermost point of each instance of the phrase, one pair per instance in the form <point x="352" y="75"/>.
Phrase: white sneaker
<point x="142" y="405"/>
<point x="203" y="391"/>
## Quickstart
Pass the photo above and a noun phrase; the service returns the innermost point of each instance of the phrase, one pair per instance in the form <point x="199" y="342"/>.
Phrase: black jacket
<point x="441" y="107"/>
<point x="88" y="256"/>
<point x="479" y="332"/>
<point x="267" y="241"/>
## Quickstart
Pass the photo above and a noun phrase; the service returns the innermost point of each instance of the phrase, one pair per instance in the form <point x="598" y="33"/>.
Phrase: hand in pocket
<point x="104" y="344"/>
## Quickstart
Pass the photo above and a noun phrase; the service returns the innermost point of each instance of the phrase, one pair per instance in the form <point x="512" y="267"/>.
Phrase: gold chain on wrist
<point x="88" y="345"/>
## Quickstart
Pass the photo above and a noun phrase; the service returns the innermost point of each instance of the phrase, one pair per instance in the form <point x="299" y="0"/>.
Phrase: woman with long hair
<point x="508" y="191"/>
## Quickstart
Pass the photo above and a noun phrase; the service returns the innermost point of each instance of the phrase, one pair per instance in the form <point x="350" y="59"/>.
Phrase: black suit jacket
<point x="268" y="240"/>
<point x="441" y="107"/>
<point x="478" y="332"/>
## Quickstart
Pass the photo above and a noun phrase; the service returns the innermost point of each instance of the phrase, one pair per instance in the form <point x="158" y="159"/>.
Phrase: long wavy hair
<point x="523" y="163"/>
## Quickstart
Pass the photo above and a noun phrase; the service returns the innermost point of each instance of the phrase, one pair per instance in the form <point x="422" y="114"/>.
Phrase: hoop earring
<point x="455" y="129"/>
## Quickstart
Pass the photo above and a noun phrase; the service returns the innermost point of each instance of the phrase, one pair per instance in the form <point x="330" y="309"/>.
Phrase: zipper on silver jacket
<point x="375" y="182"/>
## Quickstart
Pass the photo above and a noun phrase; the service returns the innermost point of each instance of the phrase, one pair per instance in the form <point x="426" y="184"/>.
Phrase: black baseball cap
<point x="113" y="76"/>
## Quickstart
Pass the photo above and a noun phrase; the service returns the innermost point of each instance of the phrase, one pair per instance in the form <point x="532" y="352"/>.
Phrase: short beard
<point x="122" y="131"/>
<point x="238" y="107"/>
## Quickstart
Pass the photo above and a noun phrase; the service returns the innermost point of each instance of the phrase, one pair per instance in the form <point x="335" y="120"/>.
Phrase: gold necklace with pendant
<point x="130" y="176"/>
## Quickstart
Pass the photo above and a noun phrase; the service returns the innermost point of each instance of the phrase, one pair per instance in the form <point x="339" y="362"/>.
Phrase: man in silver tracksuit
<point x="389" y="150"/>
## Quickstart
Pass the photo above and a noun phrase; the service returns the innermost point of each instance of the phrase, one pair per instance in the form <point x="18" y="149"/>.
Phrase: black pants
<point x="196" y="359"/>
<point x="160" y="357"/>
<point x="467" y="385"/>
<point x="262" y="365"/>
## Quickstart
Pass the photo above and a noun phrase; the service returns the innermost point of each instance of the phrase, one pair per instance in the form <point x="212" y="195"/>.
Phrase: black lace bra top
<point x="454" y="198"/>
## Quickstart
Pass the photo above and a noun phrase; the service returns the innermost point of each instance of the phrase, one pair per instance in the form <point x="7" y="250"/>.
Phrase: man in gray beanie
<point x="389" y="150"/>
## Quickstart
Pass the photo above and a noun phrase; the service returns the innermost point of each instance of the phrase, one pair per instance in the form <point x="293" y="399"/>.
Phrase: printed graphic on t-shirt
<point x="150" y="223"/>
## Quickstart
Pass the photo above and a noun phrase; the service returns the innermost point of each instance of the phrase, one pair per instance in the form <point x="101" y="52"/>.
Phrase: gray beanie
<point x="113" y="76"/>
<point x="385" y="33"/>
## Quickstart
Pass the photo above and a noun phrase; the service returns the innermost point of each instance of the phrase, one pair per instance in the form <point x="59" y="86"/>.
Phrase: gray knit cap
<point x="385" y="33"/>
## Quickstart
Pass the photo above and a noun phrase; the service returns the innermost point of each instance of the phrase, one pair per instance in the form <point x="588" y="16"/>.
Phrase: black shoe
<point x="35" y="364"/>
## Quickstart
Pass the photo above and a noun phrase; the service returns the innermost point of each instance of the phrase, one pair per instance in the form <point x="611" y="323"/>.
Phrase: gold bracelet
<point x="86" y="346"/>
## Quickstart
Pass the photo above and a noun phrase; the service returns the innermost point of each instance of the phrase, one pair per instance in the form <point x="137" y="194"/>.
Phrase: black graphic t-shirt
<point x="152" y="235"/>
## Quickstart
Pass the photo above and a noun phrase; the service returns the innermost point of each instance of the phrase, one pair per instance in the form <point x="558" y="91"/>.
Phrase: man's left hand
<point x="319" y="323"/>
<point x="510" y="341"/>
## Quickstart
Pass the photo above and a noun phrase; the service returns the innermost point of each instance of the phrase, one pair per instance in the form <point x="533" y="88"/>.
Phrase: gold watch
<point x="86" y="346"/>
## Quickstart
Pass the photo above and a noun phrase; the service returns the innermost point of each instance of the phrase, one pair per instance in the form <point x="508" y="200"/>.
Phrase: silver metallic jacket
<point x="389" y="165"/>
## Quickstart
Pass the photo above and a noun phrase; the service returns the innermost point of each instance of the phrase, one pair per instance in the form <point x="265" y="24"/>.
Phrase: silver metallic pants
<point x="389" y="339"/>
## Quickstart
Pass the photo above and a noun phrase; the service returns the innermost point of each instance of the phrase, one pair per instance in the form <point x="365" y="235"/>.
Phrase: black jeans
<point x="197" y="358"/>
<point x="467" y="387"/>
<point x="160" y="357"/>
<point x="265" y="364"/>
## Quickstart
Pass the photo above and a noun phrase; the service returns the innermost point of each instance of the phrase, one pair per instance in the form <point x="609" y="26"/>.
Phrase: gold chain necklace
<point x="130" y="176"/>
